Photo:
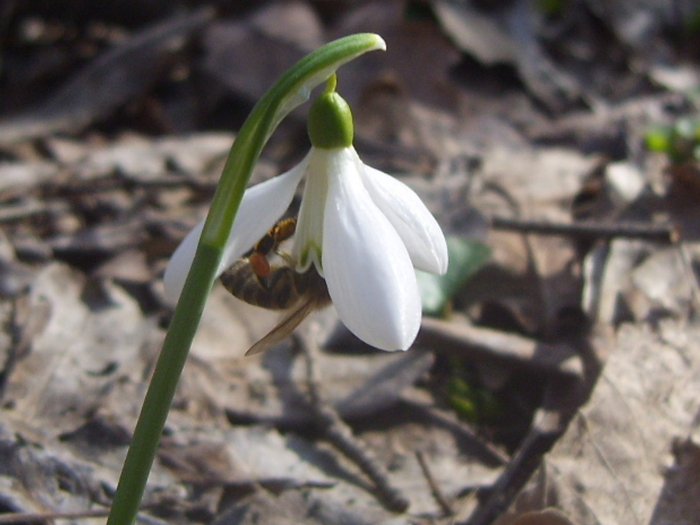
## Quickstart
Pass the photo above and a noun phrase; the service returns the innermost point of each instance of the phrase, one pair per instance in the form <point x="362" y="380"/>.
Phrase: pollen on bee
<point x="259" y="264"/>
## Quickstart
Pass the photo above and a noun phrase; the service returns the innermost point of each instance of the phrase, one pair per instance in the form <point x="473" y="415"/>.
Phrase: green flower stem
<point x="161" y="390"/>
<point x="293" y="88"/>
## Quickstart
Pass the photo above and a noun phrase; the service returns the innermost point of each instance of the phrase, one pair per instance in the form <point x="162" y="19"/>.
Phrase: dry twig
<point x="668" y="233"/>
<point x="339" y="434"/>
<point x="434" y="488"/>
<point x="478" y="342"/>
<point x="562" y="401"/>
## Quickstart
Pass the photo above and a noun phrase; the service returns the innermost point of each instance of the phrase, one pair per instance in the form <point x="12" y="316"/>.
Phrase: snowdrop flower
<point x="362" y="229"/>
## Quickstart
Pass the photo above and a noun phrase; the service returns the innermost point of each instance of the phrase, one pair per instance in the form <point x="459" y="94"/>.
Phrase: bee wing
<point x="286" y="326"/>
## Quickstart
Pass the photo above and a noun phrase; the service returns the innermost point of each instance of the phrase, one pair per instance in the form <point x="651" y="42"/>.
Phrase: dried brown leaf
<point x="74" y="361"/>
<point x="607" y="468"/>
<point x="508" y="34"/>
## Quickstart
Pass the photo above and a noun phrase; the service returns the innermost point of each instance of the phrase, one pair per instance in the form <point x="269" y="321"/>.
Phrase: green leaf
<point x="679" y="141"/>
<point x="466" y="257"/>
<point x="658" y="138"/>
<point x="473" y="403"/>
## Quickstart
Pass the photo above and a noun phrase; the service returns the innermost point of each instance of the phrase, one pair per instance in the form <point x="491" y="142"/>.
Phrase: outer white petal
<point x="179" y="264"/>
<point x="413" y="222"/>
<point x="262" y="205"/>
<point x="260" y="208"/>
<point x="367" y="268"/>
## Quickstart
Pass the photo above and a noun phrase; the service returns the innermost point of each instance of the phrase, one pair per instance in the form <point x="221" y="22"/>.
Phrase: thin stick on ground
<point x="435" y="490"/>
<point x="339" y="434"/>
<point x="668" y="233"/>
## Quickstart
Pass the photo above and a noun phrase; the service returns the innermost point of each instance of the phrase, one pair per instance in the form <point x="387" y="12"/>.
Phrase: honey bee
<point x="256" y="281"/>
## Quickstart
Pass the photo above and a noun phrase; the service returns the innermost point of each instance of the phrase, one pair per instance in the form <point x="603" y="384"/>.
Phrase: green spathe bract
<point x="293" y="88"/>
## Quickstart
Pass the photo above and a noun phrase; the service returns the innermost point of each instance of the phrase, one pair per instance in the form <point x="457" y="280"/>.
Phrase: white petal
<point x="367" y="268"/>
<point x="262" y="205"/>
<point x="416" y="226"/>
<point x="180" y="262"/>
<point x="308" y="240"/>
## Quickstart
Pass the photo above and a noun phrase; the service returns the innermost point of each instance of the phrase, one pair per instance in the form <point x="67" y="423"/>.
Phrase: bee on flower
<point x="361" y="230"/>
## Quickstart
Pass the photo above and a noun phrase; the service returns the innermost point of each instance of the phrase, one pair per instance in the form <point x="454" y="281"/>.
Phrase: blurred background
<point x="556" y="142"/>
